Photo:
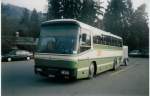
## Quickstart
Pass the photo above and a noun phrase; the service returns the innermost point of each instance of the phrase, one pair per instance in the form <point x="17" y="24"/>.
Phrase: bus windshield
<point x="58" y="38"/>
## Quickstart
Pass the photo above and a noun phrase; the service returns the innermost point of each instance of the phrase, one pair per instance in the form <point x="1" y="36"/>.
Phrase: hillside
<point x="18" y="19"/>
<point x="12" y="10"/>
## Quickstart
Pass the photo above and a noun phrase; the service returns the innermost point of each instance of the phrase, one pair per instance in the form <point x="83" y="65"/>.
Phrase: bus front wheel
<point x="91" y="71"/>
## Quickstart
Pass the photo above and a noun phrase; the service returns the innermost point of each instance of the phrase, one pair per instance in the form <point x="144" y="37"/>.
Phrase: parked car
<point x="17" y="55"/>
<point x="135" y="53"/>
<point x="139" y="53"/>
<point x="145" y="52"/>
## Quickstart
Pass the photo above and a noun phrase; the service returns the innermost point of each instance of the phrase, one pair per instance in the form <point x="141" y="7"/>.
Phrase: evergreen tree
<point x="117" y="18"/>
<point x="24" y="23"/>
<point x="120" y="19"/>
<point x="139" y="29"/>
<point x="70" y="8"/>
<point x="34" y="24"/>
<point x="9" y="27"/>
<point x="127" y="22"/>
<point x="86" y="11"/>
<point x="90" y="11"/>
<point x="54" y="9"/>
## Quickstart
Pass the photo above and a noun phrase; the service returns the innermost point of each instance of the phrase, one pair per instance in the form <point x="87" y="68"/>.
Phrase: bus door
<point x="84" y="48"/>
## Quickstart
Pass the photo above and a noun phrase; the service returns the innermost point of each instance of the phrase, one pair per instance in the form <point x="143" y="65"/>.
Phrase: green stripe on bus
<point x="55" y="63"/>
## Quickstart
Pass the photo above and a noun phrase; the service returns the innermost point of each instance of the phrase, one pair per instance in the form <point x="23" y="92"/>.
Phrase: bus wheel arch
<point x="92" y="69"/>
<point x="92" y="72"/>
<point x="95" y="66"/>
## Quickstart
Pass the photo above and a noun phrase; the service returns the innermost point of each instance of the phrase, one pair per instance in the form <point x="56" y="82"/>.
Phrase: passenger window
<point x="121" y="43"/>
<point x="97" y="40"/>
<point x="113" y="41"/>
<point x="84" y="37"/>
<point x="104" y="40"/>
<point x="85" y="40"/>
<point x="108" y="40"/>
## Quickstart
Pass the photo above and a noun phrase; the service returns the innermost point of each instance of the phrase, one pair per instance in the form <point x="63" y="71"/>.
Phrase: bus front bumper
<point x="56" y="72"/>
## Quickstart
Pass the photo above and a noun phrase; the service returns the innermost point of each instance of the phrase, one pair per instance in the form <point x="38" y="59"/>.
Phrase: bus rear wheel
<point x="126" y="63"/>
<point x="115" y="64"/>
<point x="91" y="71"/>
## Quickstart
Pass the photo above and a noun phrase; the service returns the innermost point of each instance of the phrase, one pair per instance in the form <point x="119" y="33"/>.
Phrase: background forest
<point x="118" y="18"/>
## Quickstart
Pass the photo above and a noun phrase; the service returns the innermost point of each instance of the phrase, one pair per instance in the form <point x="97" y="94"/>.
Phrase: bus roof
<point x="82" y="25"/>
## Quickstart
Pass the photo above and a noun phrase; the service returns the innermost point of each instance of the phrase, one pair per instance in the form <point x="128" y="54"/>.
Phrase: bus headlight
<point x="65" y="72"/>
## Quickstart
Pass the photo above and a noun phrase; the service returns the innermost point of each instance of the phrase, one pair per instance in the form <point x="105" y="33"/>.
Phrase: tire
<point x="91" y="71"/>
<point x="28" y="58"/>
<point x="9" y="59"/>
<point x="126" y="63"/>
<point x="115" y="67"/>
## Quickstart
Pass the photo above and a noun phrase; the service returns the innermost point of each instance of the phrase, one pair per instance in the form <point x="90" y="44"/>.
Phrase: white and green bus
<point x="71" y="49"/>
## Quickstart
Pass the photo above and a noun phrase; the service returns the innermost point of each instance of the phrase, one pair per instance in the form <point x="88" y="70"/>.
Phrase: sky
<point x="41" y="5"/>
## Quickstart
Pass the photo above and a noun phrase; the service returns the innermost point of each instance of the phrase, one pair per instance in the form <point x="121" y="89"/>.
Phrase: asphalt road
<point x="18" y="79"/>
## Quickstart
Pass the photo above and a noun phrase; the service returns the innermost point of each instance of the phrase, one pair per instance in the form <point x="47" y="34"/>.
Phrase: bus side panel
<point x="104" y="64"/>
<point x="83" y="68"/>
<point x="105" y="56"/>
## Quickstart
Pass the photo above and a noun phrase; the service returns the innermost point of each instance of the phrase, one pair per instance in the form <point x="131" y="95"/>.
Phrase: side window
<point x="108" y="40"/>
<point x="85" y="40"/>
<point x="114" y="41"/>
<point x="111" y="41"/>
<point x="120" y="43"/>
<point x="19" y="52"/>
<point x="117" y="42"/>
<point x="96" y="39"/>
<point x="104" y="39"/>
